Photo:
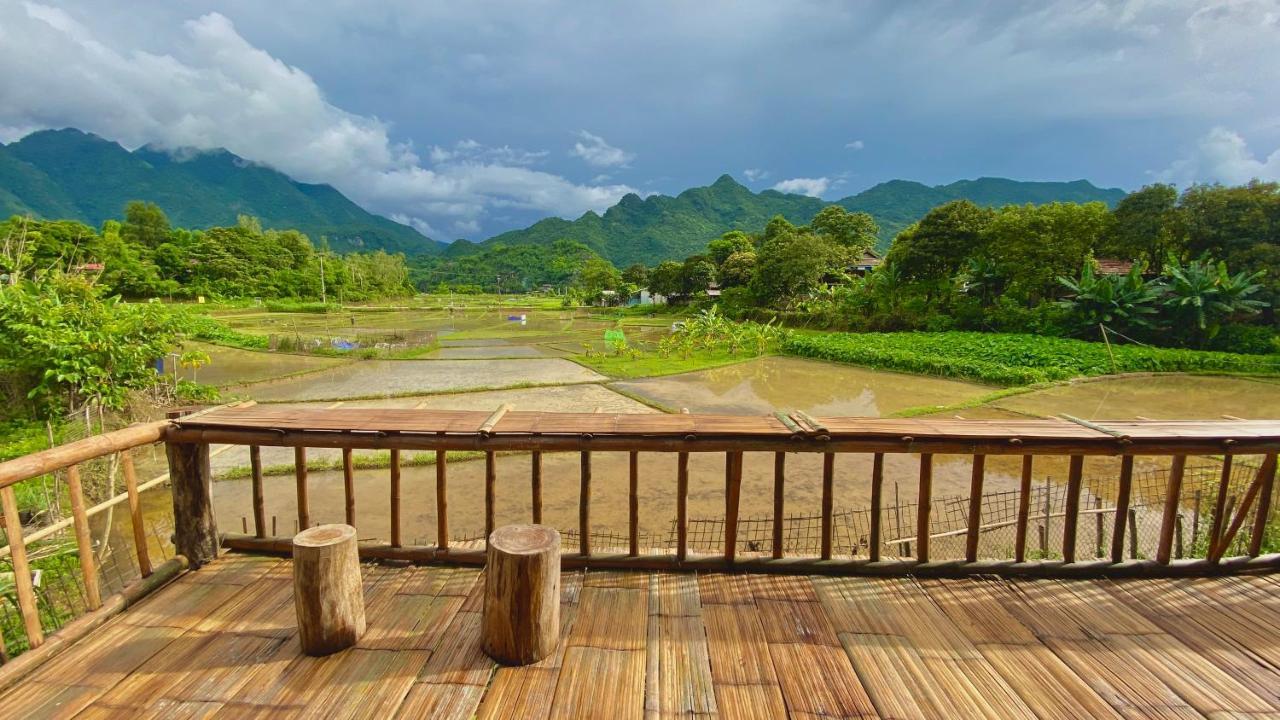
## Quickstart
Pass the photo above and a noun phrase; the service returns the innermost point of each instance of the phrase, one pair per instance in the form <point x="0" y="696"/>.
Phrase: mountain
<point x="661" y="227"/>
<point x="69" y="174"/>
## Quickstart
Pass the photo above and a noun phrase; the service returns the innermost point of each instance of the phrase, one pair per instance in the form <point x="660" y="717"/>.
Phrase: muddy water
<point x="1166" y="397"/>
<point x="402" y="377"/>
<point x="232" y="366"/>
<point x="492" y="351"/>
<point x="766" y="384"/>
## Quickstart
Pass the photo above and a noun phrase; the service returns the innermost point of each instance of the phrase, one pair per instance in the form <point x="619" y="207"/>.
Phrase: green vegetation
<point x="561" y="265"/>
<point x="1010" y="359"/>
<point x="361" y="460"/>
<point x="78" y="176"/>
<point x="660" y="227"/>
<point x="647" y="365"/>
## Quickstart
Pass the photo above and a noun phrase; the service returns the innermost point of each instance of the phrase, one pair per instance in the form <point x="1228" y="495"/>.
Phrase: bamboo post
<point x="395" y="498"/>
<point x="1071" y="513"/>
<point x="1172" y="497"/>
<point x="1024" y="510"/>
<point x="21" y="568"/>
<point x="1195" y="519"/>
<point x="84" y="540"/>
<point x="300" y="474"/>
<point x="1177" y="537"/>
<point x="349" y="485"/>
<point x="1133" y="533"/>
<point x="327" y="592"/>
<point x="135" y="513"/>
<point x="925" y="500"/>
<point x="442" y="499"/>
<point x="682" y="506"/>
<point x="521" y="617"/>
<point x="732" y="495"/>
<point x="1268" y="474"/>
<point x="976" y="481"/>
<point x="259" y="495"/>
<point x="779" y="483"/>
<point x="828" y="502"/>
<point x="535" y="472"/>
<point x="904" y="547"/>
<point x="1219" y="506"/>
<point x="1097" y="527"/>
<point x="877" y="487"/>
<point x="1048" y="515"/>
<point x="633" y="502"/>
<point x="1123" y="493"/>
<point x="195" y="533"/>
<point x="490" y="492"/>
<point x="584" y="506"/>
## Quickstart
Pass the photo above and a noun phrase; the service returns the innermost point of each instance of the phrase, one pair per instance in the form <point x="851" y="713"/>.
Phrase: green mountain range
<point x="661" y="227"/>
<point x="69" y="174"/>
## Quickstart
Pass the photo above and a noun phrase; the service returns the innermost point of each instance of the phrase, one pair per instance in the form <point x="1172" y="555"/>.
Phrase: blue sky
<point x="466" y="119"/>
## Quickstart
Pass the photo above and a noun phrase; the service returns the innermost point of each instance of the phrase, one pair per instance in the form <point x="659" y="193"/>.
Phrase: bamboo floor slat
<point x="221" y="643"/>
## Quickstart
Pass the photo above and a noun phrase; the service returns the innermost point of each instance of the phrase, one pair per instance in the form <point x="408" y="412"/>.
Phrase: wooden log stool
<point x="327" y="592"/>
<point x="522" y="594"/>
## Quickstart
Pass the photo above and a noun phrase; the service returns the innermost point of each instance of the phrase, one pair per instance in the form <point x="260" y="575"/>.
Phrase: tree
<point x="936" y="247"/>
<point x="597" y="275"/>
<point x="855" y="231"/>
<point x="1034" y="245"/>
<point x="636" y="274"/>
<point x="1124" y="302"/>
<point x="1147" y="227"/>
<point x="1201" y="295"/>
<point x="737" y="269"/>
<point x="792" y="265"/>
<point x="145" y="224"/>
<point x="696" y="274"/>
<point x="734" y="241"/>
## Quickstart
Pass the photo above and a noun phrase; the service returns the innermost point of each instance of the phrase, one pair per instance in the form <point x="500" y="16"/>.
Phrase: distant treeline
<point x="144" y="257"/>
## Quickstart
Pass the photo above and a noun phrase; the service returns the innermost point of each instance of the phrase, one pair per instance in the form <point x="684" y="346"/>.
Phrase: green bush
<point x="298" y="306"/>
<point x="1248" y="339"/>
<point x="203" y="327"/>
<point x="1009" y="359"/>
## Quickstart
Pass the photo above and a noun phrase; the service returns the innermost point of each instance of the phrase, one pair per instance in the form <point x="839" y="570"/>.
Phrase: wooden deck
<point x="220" y="642"/>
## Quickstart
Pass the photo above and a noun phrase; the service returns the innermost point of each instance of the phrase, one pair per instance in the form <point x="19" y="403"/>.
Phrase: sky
<point x="465" y="119"/>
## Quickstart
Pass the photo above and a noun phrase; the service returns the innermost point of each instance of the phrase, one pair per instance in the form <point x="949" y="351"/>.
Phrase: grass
<point x="1014" y="360"/>
<point x="625" y="367"/>
<point x="376" y="460"/>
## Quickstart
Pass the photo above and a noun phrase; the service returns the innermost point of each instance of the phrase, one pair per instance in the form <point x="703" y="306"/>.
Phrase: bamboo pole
<point x="535" y="472"/>
<point x="84" y="541"/>
<point x="349" y="485"/>
<point x="300" y="474"/>
<point x="442" y="500"/>
<point x="1024" y="510"/>
<point x="1071" y="514"/>
<point x="779" y="499"/>
<point x="633" y="502"/>
<point x="1268" y="474"/>
<point x="259" y="494"/>
<point x="923" y="507"/>
<point x="975" y="507"/>
<point x="584" y="506"/>
<point x="21" y="568"/>
<point x="490" y="492"/>
<point x="682" y="506"/>
<point x="1172" y="497"/>
<point x="828" y="502"/>
<point x="395" y="498"/>
<point x="877" y="490"/>
<point x="135" y="513"/>
<point x="1133" y="533"/>
<point x="732" y="495"/>
<point x="1123" y="494"/>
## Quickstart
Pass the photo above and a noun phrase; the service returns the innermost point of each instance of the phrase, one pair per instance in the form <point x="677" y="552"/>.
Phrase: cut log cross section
<point x="522" y="594"/>
<point x="327" y="592"/>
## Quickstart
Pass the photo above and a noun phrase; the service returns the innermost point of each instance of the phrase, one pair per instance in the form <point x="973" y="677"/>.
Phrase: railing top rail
<point x="64" y="456"/>
<point x="407" y="428"/>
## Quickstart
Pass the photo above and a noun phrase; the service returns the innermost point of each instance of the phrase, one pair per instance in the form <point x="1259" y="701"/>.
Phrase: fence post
<point x="1133" y="534"/>
<point x="195" y="530"/>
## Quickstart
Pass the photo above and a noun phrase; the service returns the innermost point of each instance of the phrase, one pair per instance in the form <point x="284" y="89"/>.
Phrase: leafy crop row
<point x="1008" y="359"/>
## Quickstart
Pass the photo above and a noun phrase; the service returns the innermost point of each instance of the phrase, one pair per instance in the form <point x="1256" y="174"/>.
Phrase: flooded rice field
<point x="233" y="366"/>
<point x="1166" y="397"/>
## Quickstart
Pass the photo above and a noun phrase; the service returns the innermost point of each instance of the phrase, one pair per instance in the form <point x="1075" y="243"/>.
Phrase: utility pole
<point x="323" y="298"/>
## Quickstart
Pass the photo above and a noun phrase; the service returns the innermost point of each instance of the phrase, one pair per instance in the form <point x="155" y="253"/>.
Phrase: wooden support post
<point x="584" y="506"/>
<point x="1123" y="494"/>
<point x="1177" y="537"/>
<point x="349" y="485"/>
<point x="259" y="494"/>
<point x="877" y="491"/>
<point x="779" y="499"/>
<point x="1220" y="506"/>
<point x="1097" y="527"/>
<point x="490" y="491"/>
<point x="135" y="513"/>
<point x="442" y="499"/>
<point x="195" y="532"/>
<point x="976" y="482"/>
<point x="395" y="499"/>
<point x="521" y="618"/>
<point x="300" y="474"/>
<point x="84" y="539"/>
<point x="924" y="506"/>
<point x="1267" y="474"/>
<point x="1071" y="513"/>
<point x="327" y="592"/>
<point x="1195" y="518"/>
<point x="1171" y="503"/>
<point x="828" y="502"/>
<point x="21" y="568"/>
<point x="633" y="502"/>
<point x="682" y="506"/>
<point x="1048" y="516"/>
<point x="1024" y="511"/>
<point x="732" y="496"/>
<point x="535" y="472"/>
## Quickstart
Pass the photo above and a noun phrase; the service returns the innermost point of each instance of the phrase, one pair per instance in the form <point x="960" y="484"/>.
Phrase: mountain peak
<point x="726" y="181"/>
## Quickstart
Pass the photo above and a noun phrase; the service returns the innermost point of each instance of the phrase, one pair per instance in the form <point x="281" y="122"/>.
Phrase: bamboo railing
<point x="505" y="431"/>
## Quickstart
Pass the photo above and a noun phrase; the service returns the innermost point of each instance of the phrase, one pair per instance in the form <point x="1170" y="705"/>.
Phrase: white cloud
<point x="1222" y="156"/>
<point x="597" y="152"/>
<point x="855" y="145"/>
<point x="813" y="187"/>
<point x="754" y="174"/>
<point x="218" y="90"/>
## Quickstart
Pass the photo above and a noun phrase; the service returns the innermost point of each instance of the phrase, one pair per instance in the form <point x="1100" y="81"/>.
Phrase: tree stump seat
<point x="327" y="592"/>
<point x="521" y="621"/>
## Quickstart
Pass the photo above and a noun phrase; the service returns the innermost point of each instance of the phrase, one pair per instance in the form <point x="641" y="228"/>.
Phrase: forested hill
<point x="661" y="227"/>
<point x="73" y="175"/>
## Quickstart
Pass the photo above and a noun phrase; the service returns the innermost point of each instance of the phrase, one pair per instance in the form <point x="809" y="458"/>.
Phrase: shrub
<point x="1248" y="339"/>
